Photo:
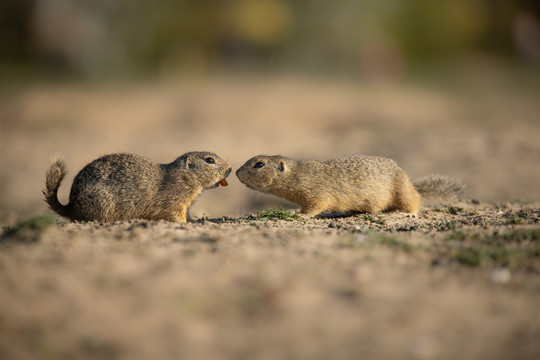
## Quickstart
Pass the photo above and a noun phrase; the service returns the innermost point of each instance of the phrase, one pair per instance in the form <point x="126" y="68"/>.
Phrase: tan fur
<point x="358" y="183"/>
<point x="126" y="186"/>
<point x="437" y="188"/>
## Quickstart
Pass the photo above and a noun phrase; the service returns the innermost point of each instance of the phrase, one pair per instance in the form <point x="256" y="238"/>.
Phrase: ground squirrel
<point x="358" y="183"/>
<point x="126" y="186"/>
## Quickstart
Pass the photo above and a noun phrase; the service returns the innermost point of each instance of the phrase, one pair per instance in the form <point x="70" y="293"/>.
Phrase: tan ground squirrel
<point x="358" y="183"/>
<point x="126" y="186"/>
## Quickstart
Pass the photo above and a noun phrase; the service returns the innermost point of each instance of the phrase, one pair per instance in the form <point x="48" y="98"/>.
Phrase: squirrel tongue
<point x="223" y="182"/>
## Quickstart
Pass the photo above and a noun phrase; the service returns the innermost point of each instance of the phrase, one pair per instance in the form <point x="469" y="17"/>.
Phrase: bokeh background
<point x="446" y="87"/>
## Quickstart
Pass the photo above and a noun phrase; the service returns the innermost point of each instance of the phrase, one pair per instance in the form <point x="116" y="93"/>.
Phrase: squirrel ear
<point x="282" y="167"/>
<point x="187" y="164"/>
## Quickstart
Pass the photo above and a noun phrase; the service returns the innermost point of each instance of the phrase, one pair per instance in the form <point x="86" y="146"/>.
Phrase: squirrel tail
<point x="439" y="188"/>
<point x="53" y="179"/>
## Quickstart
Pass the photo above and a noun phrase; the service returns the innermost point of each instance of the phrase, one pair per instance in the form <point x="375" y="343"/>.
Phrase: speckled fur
<point x="126" y="186"/>
<point x="358" y="183"/>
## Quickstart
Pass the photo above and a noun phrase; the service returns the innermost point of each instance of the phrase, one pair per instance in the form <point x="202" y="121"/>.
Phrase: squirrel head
<point x="261" y="171"/>
<point x="205" y="168"/>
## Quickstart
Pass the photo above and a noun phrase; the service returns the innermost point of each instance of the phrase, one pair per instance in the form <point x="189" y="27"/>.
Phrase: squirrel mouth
<point x="223" y="182"/>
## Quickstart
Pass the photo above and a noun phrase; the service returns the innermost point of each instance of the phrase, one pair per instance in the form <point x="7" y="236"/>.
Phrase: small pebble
<point x="500" y="275"/>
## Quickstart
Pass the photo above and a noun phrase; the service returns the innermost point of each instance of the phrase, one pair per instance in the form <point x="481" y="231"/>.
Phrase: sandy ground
<point x="460" y="281"/>
<point x="445" y="285"/>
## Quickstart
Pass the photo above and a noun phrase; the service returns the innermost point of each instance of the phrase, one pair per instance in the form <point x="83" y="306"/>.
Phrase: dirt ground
<point x="460" y="281"/>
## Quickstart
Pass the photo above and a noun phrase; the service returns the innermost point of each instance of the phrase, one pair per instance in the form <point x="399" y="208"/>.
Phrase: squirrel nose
<point x="228" y="172"/>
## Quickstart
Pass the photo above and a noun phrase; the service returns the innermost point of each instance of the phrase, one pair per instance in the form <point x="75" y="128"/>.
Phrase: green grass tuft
<point x="29" y="229"/>
<point x="444" y="224"/>
<point x="487" y="256"/>
<point x="516" y="248"/>
<point x="455" y="210"/>
<point x="515" y="219"/>
<point x="379" y="220"/>
<point x="370" y="240"/>
<point x="521" y="235"/>
<point x="38" y="222"/>
<point x="277" y="214"/>
<point x="458" y="235"/>
<point x="393" y="242"/>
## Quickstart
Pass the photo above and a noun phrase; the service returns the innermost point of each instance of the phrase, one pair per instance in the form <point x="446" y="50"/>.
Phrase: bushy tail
<point x="53" y="179"/>
<point x="439" y="188"/>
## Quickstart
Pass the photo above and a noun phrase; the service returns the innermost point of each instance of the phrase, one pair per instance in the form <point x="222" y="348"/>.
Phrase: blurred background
<point x="103" y="38"/>
<point x="441" y="86"/>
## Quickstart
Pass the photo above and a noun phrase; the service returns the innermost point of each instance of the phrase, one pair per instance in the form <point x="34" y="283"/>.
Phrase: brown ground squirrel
<point x="126" y="186"/>
<point x="358" y="183"/>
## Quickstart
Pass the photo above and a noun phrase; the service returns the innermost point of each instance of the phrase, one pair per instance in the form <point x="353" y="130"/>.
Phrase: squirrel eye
<point x="258" y="165"/>
<point x="210" y="160"/>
